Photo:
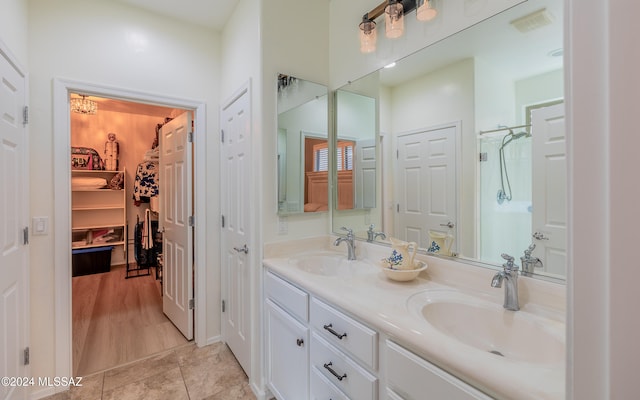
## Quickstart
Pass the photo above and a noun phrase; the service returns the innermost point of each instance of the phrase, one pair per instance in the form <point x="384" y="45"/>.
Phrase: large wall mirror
<point x="303" y="146"/>
<point x="470" y="142"/>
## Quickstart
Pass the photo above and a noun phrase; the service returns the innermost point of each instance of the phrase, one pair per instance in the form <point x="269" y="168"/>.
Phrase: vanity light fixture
<point x="394" y="11"/>
<point x="82" y="105"/>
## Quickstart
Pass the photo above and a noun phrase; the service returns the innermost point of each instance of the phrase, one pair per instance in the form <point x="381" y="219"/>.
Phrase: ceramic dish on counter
<point x="402" y="275"/>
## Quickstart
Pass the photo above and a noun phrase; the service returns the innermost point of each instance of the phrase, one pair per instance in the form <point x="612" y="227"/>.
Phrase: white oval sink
<point x="330" y="264"/>
<point x="488" y="327"/>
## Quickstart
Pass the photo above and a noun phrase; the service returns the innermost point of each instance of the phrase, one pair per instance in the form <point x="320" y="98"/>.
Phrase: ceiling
<point x="496" y="42"/>
<point x="212" y="14"/>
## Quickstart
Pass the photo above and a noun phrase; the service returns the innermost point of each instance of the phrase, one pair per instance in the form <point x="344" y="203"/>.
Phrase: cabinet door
<point x="287" y="354"/>
<point x="413" y="378"/>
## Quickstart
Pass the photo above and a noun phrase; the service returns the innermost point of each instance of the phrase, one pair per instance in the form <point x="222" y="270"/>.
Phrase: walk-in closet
<point x="117" y="255"/>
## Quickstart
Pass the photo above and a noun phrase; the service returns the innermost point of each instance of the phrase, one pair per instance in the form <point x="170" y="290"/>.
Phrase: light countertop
<point x="382" y="304"/>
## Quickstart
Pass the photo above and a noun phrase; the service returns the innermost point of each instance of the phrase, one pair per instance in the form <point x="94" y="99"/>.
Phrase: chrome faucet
<point x="529" y="264"/>
<point x="349" y="240"/>
<point x="371" y="235"/>
<point x="510" y="276"/>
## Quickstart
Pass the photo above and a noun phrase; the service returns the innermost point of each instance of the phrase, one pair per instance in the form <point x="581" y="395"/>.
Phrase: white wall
<point x="105" y="43"/>
<point x="603" y="61"/>
<point x="13" y="29"/>
<point x="294" y="42"/>
<point x="537" y="89"/>
<point x="492" y="83"/>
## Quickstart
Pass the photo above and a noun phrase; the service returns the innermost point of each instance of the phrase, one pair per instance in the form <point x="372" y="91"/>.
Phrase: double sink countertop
<point x="449" y="315"/>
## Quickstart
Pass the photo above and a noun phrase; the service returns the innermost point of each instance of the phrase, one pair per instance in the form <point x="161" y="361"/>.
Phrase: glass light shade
<point x="426" y="10"/>
<point x="368" y="36"/>
<point x="394" y="19"/>
<point x="83" y="106"/>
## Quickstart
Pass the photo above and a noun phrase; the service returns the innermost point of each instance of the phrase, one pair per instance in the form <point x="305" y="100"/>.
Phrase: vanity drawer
<point x="345" y="332"/>
<point x="322" y="389"/>
<point x="287" y="296"/>
<point x="413" y="378"/>
<point x="342" y="371"/>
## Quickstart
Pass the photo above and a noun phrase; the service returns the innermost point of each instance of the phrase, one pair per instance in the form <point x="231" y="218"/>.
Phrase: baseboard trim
<point x="49" y="391"/>
<point x="259" y="393"/>
<point x="213" y="339"/>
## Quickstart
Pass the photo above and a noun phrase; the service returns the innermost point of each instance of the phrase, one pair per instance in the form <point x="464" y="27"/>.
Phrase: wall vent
<point x="535" y="20"/>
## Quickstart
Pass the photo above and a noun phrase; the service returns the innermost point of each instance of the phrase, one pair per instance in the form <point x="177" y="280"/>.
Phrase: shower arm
<point x="506" y="128"/>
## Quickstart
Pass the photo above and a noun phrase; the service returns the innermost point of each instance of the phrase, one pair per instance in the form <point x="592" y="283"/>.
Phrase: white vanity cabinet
<point x="287" y="339"/>
<point x="317" y="351"/>
<point x="410" y="377"/>
<point x="342" y="370"/>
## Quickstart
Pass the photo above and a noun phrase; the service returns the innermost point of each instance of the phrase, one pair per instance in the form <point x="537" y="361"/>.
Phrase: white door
<point x="14" y="202"/>
<point x="175" y="174"/>
<point x="236" y="203"/>
<point x="426" y="191"/>
<point x="365" y="176"/>
<point x="549" y="186"/>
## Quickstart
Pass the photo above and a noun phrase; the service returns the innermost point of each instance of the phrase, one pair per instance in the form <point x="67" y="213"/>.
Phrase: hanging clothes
<point x="147" y="231"/>
<point x="145" y="184"/>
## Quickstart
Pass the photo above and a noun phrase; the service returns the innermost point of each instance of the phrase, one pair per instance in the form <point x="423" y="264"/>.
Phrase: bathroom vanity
<point x="340" y="329"/>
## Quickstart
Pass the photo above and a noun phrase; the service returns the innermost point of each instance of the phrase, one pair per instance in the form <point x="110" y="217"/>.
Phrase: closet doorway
<point x="118" y="277"/>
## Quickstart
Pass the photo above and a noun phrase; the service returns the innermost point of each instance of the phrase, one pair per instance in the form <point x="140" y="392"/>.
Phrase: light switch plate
<point x="40" y="226"/>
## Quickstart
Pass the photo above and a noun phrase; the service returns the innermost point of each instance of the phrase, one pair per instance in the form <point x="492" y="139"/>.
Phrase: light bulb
<point x="368" y="35"/>
<point x="394" y="19"/>
<point x="426" y="10"/>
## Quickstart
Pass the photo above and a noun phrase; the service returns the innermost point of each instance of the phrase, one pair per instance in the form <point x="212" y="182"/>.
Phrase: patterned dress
<point x="146" y="182"/>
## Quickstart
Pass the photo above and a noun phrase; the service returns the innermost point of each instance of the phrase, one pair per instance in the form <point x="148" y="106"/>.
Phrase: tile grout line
<point x="184" y="382"/>
<point x="102" y="386"/>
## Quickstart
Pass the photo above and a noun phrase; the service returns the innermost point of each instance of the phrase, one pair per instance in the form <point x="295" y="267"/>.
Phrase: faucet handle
<point x="527" y="252"/>
<point x="349" y="231"/>
<point x="509" y="264"/>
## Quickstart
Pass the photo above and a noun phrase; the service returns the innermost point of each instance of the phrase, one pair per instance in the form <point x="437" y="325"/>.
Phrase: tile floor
<point x="186" y="372"/>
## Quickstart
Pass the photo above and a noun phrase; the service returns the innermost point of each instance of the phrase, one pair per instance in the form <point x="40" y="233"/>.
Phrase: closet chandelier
<point x="394" y="11"/>
<point x="83" y="105"/>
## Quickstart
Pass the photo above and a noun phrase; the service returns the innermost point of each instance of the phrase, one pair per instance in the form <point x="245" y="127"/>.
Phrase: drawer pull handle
<point x="336" y="334"/>
<point x="334" y="373"/>
<point x="300" y="342"/>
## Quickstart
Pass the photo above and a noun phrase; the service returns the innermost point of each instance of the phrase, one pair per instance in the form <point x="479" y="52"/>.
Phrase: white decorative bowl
<point x="403" y="275"/>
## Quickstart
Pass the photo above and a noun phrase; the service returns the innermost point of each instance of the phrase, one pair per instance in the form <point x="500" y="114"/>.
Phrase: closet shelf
<point x="95" y="211"/>
<point x="103" y="190"/>
<point x="78" y="172"/>
<point x="98" y="207"/>
<point x="93" y="227"/>
<point x="92" y="245"/>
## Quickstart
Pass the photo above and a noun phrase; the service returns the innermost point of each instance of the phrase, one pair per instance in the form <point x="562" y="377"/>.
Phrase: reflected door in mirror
<point x="426" y="190"/>
<point x="549" y="215"/>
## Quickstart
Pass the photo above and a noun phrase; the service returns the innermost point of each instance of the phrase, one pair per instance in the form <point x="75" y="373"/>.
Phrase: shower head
<point x="510" y="137"/>
<point x="519" y="135"/>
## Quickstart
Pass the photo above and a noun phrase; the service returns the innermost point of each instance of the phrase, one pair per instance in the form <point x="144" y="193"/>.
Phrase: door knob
<point x="539" y="236"/>
<point x="244" y="249"/>
<point x="449" y="225"/>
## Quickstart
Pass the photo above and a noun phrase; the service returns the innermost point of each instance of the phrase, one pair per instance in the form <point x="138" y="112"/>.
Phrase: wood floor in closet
<point x="118" y="320"/>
